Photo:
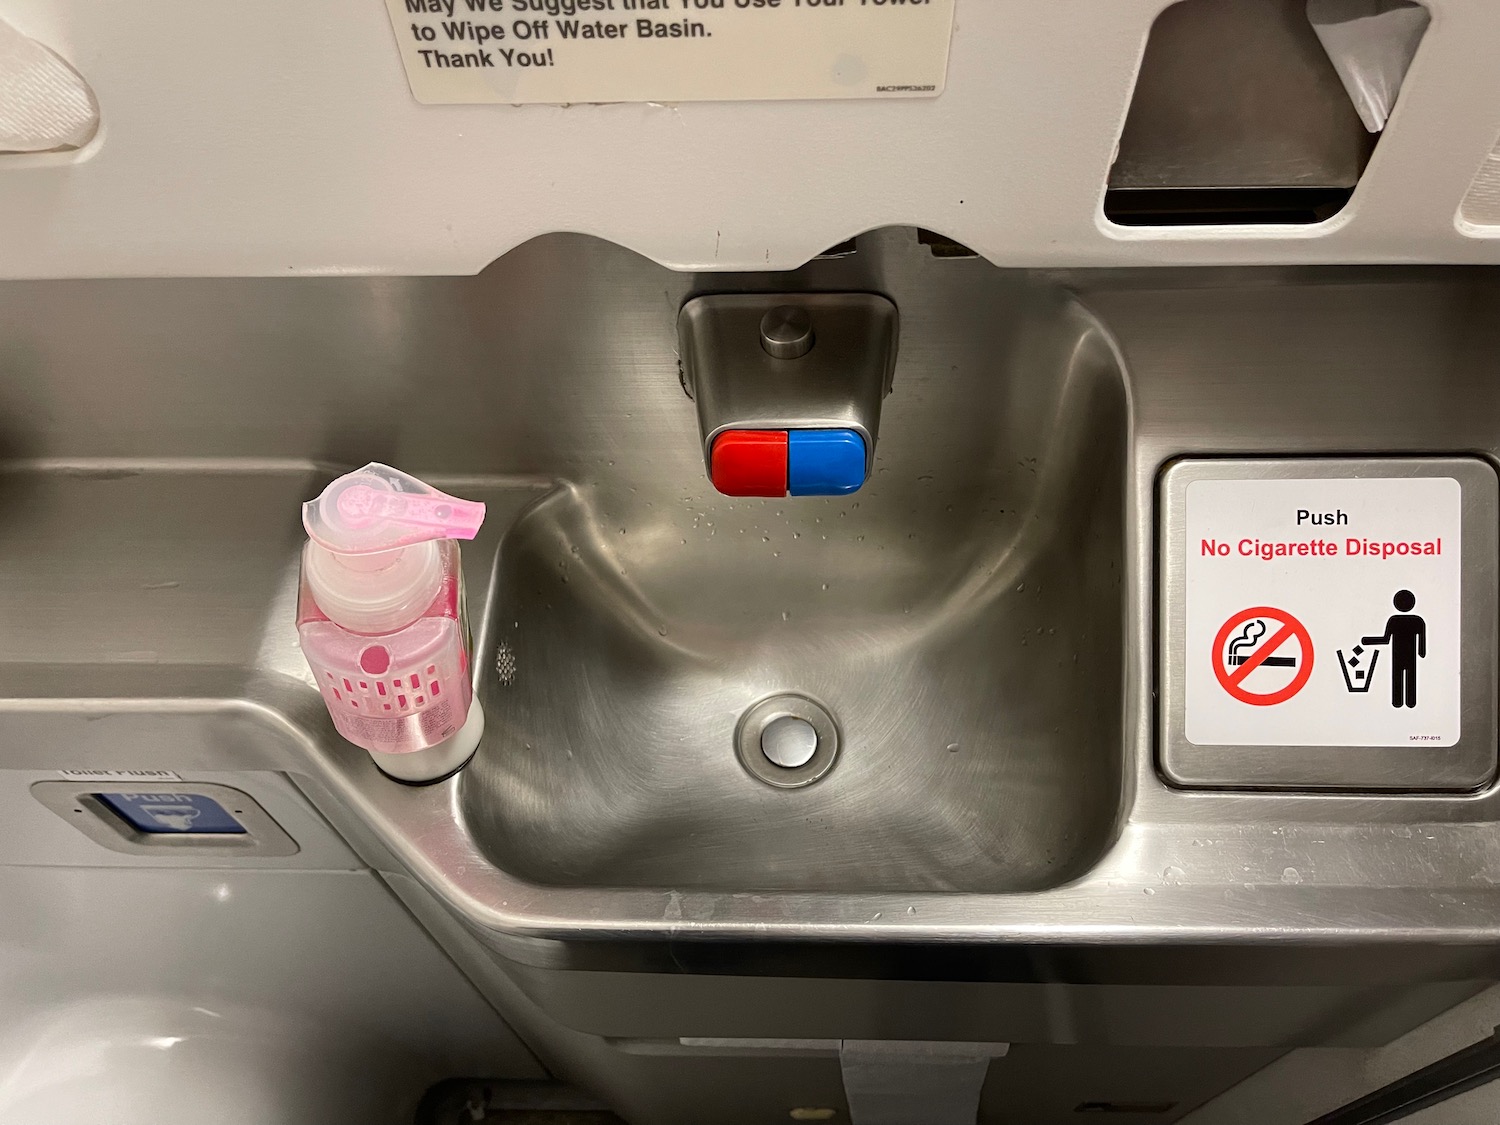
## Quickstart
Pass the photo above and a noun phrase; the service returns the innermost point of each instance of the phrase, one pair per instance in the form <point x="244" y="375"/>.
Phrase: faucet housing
<point x="788" y="387"/>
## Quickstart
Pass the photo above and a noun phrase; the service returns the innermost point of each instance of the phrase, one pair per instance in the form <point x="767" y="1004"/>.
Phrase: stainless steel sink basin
<point x="960" y="619"/>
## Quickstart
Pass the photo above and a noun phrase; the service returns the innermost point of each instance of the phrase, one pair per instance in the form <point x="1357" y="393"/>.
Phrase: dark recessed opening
<point x="941" y="246"/>
<point x="1167" y="207"/>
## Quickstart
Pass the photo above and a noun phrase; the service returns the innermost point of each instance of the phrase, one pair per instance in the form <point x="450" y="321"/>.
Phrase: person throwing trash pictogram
<point x="1406" y="633"/>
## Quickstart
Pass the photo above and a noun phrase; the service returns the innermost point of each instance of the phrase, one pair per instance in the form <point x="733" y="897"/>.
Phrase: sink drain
<point x="787" y="741"/>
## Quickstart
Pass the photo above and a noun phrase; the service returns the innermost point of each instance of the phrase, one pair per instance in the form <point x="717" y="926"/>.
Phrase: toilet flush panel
<point x="1328" y="624"/>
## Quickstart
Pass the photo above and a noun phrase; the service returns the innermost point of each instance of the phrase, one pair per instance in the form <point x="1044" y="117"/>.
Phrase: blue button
<point x="170" y="812"/>
<point x="824" y="462"/>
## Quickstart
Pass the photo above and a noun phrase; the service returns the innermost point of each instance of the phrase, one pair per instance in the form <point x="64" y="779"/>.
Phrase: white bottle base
<point x="439" y="760"/>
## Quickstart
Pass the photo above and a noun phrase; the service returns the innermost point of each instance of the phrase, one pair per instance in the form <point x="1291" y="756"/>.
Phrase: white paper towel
<point x="1371" y="43"/>
<point x="44" y="104"/>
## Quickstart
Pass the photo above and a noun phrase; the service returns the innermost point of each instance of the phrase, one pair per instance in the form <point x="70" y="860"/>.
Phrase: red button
<point x="749" y="463"/>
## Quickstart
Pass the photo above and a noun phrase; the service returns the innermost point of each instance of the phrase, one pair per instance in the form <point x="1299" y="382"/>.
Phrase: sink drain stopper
<point x="787" y="741"/>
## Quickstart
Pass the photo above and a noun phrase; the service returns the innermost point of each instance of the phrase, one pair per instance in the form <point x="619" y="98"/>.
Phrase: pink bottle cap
<point x="379" y="508"/>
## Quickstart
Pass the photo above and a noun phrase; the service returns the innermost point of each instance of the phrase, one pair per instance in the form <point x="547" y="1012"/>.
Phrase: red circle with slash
<point x="1286" y="628"/>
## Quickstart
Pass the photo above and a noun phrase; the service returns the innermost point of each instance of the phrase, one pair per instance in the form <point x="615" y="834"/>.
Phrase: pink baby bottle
<point x="380" y="615"/>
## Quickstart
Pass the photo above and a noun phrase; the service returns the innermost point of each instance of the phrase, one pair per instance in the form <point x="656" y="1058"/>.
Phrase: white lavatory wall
<point x="280" y="137"/>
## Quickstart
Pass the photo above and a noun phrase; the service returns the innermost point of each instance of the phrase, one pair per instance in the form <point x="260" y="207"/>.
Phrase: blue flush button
<point x="824" y="462"/>
<point x="157" y="813"/>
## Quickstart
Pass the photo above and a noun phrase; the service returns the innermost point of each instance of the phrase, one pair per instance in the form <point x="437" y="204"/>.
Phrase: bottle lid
<point x="379" y="508"/>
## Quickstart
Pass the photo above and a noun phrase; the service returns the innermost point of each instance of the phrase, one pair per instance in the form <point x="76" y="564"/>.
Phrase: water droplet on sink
<point x="1021" y="588"/>
<point x="1148" y="890"/>
<point x="575" y="548"/>
<point x="911" y="909"/>
<point x="765" y="538"/>
<point x="622" y="531"/>
<point x="825" y="585"/>
<point x="661" y="630"/>
<point x="954" y="748"/>
<point x="859" y="538"/>
<point x="796" y="535"/>
<point x="1172" y="875"/>
<point x="1291" y="875"/>
<point x="785" y="616"/>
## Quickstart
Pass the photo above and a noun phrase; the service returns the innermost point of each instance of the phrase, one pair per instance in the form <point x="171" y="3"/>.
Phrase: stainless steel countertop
<point x="147" y="596"/>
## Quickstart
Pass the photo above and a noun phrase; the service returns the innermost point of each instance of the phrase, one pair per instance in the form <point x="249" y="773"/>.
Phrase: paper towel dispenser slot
<point x="1259" y="111"/>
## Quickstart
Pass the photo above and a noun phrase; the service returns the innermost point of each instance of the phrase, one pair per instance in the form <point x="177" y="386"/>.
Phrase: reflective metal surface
<point x="1238" y="94"/>
<point x="786" y="332"/>
<point x="148" y="536"/>
<point x="789" y="741"/>
<point x="960" y="618"/>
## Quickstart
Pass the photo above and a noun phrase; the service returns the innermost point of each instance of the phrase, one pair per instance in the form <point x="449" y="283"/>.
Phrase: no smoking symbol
<point x="1268" y="638"/>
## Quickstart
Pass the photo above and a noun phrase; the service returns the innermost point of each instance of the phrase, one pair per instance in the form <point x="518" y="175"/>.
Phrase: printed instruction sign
<point x="565" y="51"/>
<point x="1323" y="612"/>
